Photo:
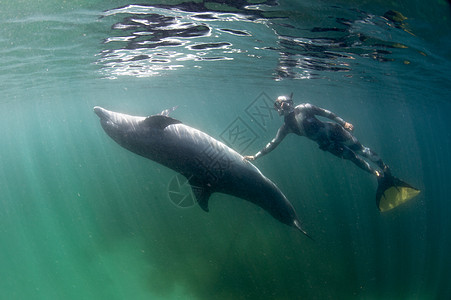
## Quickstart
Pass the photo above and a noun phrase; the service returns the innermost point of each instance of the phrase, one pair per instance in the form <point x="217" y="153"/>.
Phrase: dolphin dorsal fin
<point x="160" y="122"/>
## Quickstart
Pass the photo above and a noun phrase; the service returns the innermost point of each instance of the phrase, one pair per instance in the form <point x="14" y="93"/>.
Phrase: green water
<point x="82" y="218"/>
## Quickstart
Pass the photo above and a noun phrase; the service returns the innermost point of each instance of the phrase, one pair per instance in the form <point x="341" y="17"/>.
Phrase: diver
<point x="336" y="138"/>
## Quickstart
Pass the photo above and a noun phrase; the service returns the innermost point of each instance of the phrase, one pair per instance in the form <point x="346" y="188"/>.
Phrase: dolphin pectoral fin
<point x="202" y="195"/>
<point x="160" y="122"/>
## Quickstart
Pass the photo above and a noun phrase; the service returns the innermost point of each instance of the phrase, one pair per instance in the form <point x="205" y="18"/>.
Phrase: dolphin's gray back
<point x="208" y="164"/>
<point x="194" y="151"/>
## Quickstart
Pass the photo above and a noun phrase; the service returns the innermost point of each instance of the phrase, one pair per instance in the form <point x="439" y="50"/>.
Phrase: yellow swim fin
<point x="392" y="192"/>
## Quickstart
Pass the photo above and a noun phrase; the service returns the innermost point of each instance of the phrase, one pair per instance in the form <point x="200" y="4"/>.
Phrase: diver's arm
<point x="330" y="115"/>
<point x="281" y="133"/>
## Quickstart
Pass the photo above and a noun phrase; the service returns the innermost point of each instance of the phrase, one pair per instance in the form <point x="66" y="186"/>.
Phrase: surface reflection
<point x="147" y="40"/>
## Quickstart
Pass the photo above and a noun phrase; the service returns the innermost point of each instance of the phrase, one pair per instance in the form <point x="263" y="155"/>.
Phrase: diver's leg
<point x="366" y="152"/>
<point x="342" y="143"/>
<point x="343" y="136"/>
<point x="391" y="191"/>
<point x="345" y="152"/>
<point x="373" y="156"/>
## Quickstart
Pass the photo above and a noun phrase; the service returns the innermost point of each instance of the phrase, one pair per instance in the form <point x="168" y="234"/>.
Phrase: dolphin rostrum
<point x="209" y="165"/>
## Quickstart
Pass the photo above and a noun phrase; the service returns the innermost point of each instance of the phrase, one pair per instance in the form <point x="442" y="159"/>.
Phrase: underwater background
<point x="82" y="218"/>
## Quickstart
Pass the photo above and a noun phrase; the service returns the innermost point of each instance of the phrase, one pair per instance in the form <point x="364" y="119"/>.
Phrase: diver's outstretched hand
<point x="348" y="126"/>
<point x="248" y="157"/>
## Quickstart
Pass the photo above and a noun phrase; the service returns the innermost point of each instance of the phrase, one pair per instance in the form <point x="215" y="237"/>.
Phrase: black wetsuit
<point x="330" y="136"/>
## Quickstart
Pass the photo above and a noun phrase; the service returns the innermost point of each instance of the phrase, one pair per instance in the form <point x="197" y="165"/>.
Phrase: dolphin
<point x="209" y="165"/>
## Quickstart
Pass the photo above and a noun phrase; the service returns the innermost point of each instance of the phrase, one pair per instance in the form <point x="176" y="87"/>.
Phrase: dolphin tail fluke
<point x="392" y="192"/>
<point x="297" y="225"/>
